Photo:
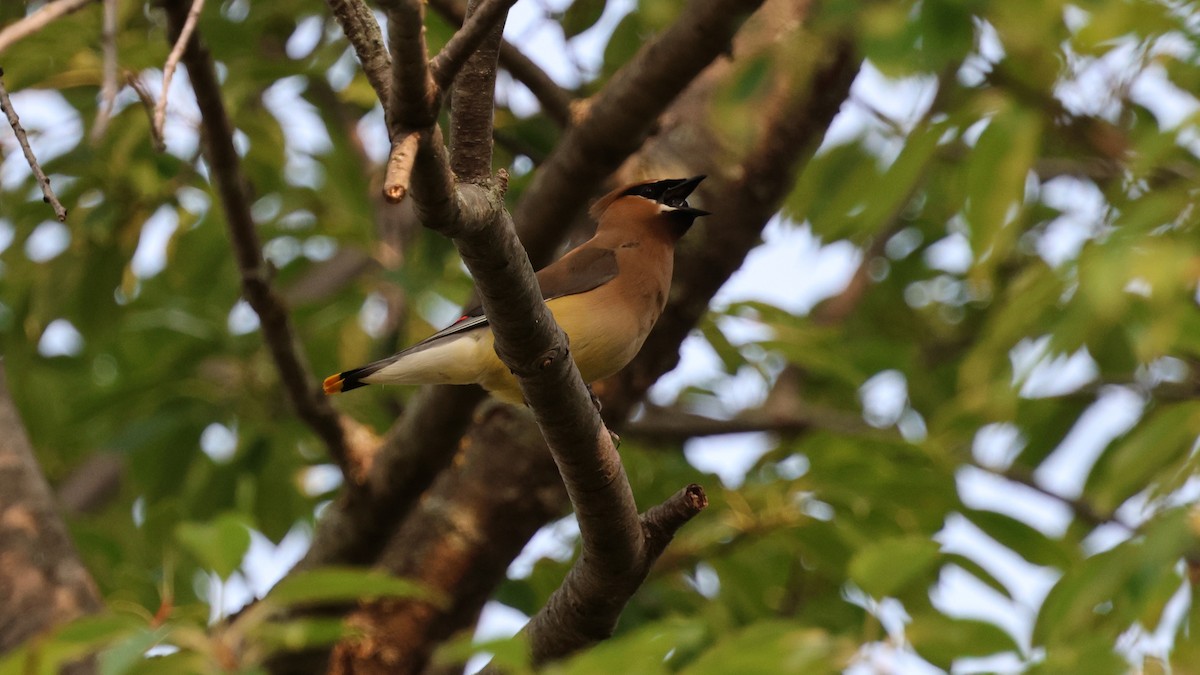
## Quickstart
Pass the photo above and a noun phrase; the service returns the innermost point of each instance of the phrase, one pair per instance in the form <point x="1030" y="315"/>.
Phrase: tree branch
<point x="109" y="88"/>
<point x="305" y="396"/>
<point x="620" y="117"/>
<point x="362" y="30"/>
<point x="474" y="95"/>
<point x="485" y="17"/>
<point x="555" y="101"/>
<point x="42" y="580"/>
<point x="185" y="35"/>
<point x="38" y="20"/>
<point x="48" y="195"/>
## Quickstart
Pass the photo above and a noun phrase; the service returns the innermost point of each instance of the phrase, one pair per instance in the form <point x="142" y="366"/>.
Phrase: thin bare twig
<point x="555" y="101"/>
<point x="48" y="195"/>
<point x="400" y="166"/>
<point x="160" y="110"/>
<point x="38" y="20"/>
<point x="232" y="186"/>
<point x="108" y="90"/>
<point x="362" y="30"/>
<point x="147" y="100"/>
<point x="466" y="40"/>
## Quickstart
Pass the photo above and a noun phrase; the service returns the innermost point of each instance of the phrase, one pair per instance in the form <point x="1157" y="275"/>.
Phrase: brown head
<point x="660" y="204"/>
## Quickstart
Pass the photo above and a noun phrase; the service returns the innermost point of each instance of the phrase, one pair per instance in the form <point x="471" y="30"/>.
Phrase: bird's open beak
<point x="677" y="196"/>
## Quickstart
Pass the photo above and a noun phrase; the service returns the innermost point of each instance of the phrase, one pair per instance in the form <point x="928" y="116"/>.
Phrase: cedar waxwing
<point x="606" y="294"/>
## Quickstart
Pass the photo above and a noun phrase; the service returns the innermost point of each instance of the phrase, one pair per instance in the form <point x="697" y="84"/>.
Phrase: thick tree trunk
<point x="42" y="582"/>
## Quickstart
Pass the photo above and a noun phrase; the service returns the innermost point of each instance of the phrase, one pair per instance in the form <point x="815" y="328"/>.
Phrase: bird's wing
<point x="581" y="270"/>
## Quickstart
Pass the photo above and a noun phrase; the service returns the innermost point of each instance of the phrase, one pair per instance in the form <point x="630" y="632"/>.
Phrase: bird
<point x="606" y="294"/>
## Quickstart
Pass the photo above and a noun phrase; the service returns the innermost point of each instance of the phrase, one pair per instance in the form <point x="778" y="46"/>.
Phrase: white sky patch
<point x="729" y="456"/>
<point x="47" y="241"/>
<point x="242" y="319"/>
<point x="305" y="38"/>
<point x="52" y="125"/>
<point x="1027" y="583"/>
<point x="1066" y="470"/>
<point x="219" y="442"/>
<point x="320" y="479"/>
<point x="902" y="101"/>
<point x="60" y="338"/>
<point x="884" y="398"/>
<point x="1083" y="213"/>
<point x="961" y="595"/>
<point x="150" y="258"/>
<point x="497" y="621"/>
<point x="996" y="445"/>
<point x="950" y="254"/>
<point x="263" y="566"/>
<point x="817" y="271"/>
<point x="555" y="541"/>
<point x="7" y="234"/>
<point x="1040" y="374"/>
<point x="983" y="490"/>
<point x="373" y="132"/>
<point x="372" y="317"/>
<point x="303" y="130"/>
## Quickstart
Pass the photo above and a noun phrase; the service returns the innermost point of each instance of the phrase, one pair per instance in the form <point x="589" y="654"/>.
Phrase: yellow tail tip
<point x="333" y="384"/>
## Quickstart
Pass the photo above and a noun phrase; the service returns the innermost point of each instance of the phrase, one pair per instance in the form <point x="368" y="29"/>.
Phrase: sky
<point x="792" y="269"/>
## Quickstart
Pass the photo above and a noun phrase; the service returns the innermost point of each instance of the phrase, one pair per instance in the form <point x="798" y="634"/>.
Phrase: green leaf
<point x="1023" y="539"/>
<point x="771" y="647"/>
<point x="125" y="655"/>
<point x="342" y="584"/>
<point x="884" y="567"/>
<point x="941" y="639"/>
<point x="219" y="545"/>
<point x="1149" y="454"/>
<point x="580" y="16"/>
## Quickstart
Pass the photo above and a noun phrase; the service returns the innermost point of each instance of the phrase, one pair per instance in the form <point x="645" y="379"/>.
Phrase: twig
<point x="108" y="90"/>
<point x="585" y="608"/>
<point x="555" y="100"/>
<point x="400" y="166"/>
<point x="48" y="195"/>
<point x="466" y="40"/>
<point x="232" y="186"/>
<point x="38" y="20"/>
<point x="147" y="100"/>
<point x="185" y="34"/>
<point x="362" y="30"/>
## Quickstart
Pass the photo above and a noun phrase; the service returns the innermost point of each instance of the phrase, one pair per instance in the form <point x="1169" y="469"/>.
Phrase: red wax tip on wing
<point x="333" y="384"/>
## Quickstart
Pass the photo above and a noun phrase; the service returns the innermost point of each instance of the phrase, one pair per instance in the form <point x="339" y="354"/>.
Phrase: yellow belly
<point x="603" y="339"/>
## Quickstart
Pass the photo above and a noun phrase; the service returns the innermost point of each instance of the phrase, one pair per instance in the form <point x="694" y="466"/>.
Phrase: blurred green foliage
<point x="830" y="553"/>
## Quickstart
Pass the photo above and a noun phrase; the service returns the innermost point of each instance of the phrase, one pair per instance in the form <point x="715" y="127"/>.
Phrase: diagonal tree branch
<point x="555" y="100"/>
<point x="362" y="30"/>
<point x="485" y="17"/>
<point x="307" y="399"/>
<point x="620" y="117"/>
<point x="31" y="24"/>
<point x="48" y="196"/>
